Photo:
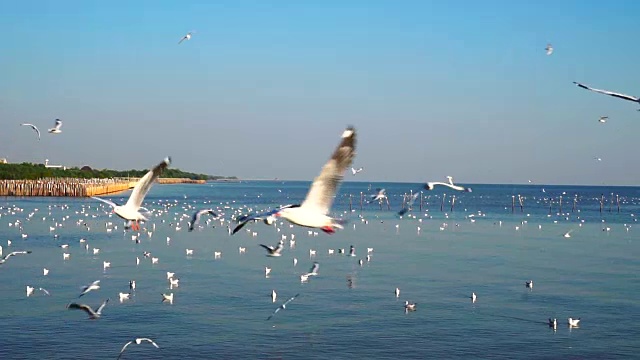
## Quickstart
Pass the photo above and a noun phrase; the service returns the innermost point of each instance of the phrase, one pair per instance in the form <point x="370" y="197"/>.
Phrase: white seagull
<point x="431" y="185"/>
<point x="382" y="194"/>
<point x="196" y="217"/>
<point x="93" y="286"/>
<point x="603" y="119"/>
<point x="409" y="306"/>
<point x="92" y="314"/>
<point x="14" y="253"/>
<point x="313" y="212"/>
<point x="610" y="93"/>
<point x="312" y="272"/>
<point x="34" y="128"/>
<point x="131" y="210"/>
<point x="186" y="37"/>
<point x="355" y="171"/>
<point x="274" y="251"/>
<point x="56" y="128"/>
<point x="138" y="341"/>
<point x="283" y="306"/>
<point x="549" y="49"/>
<point x="529" y="284"/>
<point x="573" y="322"/>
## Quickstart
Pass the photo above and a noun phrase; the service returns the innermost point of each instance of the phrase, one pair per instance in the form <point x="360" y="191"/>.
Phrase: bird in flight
<point x="56" y="128"/>
<point x="610" y="93"/>
<point x="35" y="128"/>
<point x="186" y="37"/>
<point x="283" y="306"/>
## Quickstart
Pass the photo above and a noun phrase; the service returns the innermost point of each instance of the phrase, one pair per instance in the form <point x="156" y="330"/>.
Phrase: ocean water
<point x="348" y="311"/>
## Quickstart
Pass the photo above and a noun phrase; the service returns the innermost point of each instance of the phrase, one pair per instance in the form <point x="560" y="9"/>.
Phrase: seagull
<point x="431" y="185"/>
<point x="355" y="171"/>
<point x="610" y="93"/>
<point x="138" y="341"/>
<point x="35" y="128"/>
<point x="92" y="314"/>
<point x="283" y="306"/>
<point x="167" y="298"/>
<point x="397" y="292"/>
<point x="186" y="37"/>
<point x="273" y="296"/>
<point x="131" y="210"/>
<point x="124" y="296"/>
<point x="568" y="234"/>
<point x="549" y="49"/>
<point x="409" y="306"/>
<point x="93" y="286"/>
<point x="408" y="204"/>
<point x="313" y="211"/>
<point x="553" y="323"/>
<point x="274" y="251"/>
<point x="529" y="284"/>
<point x="473" y="298"/>
<point x="56" y="128"/>
<point x="312" y="272"/>
<point x="14" y="253"/>
<point x="382" y="194"/>
<point x="132" y="285"/>
<point x="603" y="119"/>
<point x="267" y="217"/>
<point x="197" y="215"/>
<point x="573" y="322"/>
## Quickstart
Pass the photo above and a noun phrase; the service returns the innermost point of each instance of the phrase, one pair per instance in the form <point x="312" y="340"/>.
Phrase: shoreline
<point x="77" y="187"/>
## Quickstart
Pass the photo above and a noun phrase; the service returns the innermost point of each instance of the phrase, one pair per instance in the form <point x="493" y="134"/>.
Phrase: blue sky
<point x="265" y="88"/>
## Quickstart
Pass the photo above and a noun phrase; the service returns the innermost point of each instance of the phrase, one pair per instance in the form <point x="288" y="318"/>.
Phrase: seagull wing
<point x="83" y="307"/>
<point x="108" y="202"/>
<point x="314" y="269"/>
<point x="142" y="187"/>
<point x="35" y="128"/>
<point x="124" y="347"/>
<point x="139" y="340"/>
<point x="44" y="290"/>
<point x="324" y="187"/>
<point x="58" y="124"/>
<point x="268" y="248"/>
<point x="104" y="303"/>
<point x="610" y="93"/>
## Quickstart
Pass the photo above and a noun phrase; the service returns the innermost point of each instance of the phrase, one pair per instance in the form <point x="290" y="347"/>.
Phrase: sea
<point x="437" y="255"/>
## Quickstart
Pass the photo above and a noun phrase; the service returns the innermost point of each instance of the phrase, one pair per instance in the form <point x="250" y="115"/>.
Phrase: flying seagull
<point x="186" y="37"/>
<point x="138" y="341"/>
<point x="408" y="204"/>
<point x="92" y="314"/>
<point x="131" y="210"/>
<point x="274" y="251"/>
<point x="431" y="185"/>
<point x="603" y="119"/>
<point x="313" y="212"/>
<point x="610" y="93"/>
<point x="283" y="306"/>
<point x="268" y="217"/>
<point x="549" y="49"/>
<point x="197" y="215"/>
<point x="35" y="128"/>
<point x="56" y="128"/>
<point x="573" y="322"/>
<point x="355" y="171"/>
<point x="382" y="194"/>
<point x="2" y="261"/>
<point x="312" y="272"/>
<point x="93" y="286"/>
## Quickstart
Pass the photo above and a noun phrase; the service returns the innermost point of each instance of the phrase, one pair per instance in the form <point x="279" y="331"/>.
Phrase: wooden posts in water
<point x="513" y="204"/>
<point x="453" y="202"/>
<point x="361" y="200"/>
<point x="575" y="203"/>
<point x="444" y="196"/>
<point x="550" y="204"/>
<point x="618" y="202"/>
<point x="560" y="210"/>
<point x="388" y="205"/>
<point x="601" y="202"/>
<point x="611" y="202"/>
<point x="350" y="203"/>
<point x="421" y="200"/>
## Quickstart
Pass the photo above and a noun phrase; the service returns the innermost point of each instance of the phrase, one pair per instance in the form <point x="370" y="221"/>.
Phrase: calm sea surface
<point x="437" y="259"/>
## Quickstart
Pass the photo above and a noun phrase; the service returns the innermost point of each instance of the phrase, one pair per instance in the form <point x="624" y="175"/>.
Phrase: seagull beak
<point x="278" y="214"/>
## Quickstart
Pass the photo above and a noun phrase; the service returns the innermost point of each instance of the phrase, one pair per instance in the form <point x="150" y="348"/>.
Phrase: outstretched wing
<point x="99" y="311"/>
<point x="84" y="307"/>
<point x="124" y="347"/>
<point x="35" y="128"/>
<point x="268" y="248"/>
<point x="325" y="185"/>
<point x="243" y="220"/>
<point x="108" y="202"/>
<point x="610" y="93"/>
<point x="144" y="185"/>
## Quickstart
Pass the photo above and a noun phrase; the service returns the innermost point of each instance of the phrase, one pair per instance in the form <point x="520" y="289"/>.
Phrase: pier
<point x="77" y="187"/>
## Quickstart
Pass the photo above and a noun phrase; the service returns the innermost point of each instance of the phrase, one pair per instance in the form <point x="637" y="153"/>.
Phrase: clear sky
<point x="265" y="88"/>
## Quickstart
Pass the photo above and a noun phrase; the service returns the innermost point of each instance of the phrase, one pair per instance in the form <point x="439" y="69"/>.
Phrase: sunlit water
<point x="221" y="305"/>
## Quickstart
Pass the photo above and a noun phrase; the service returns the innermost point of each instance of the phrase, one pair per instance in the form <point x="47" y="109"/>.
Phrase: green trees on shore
<point x="29" y="171"/>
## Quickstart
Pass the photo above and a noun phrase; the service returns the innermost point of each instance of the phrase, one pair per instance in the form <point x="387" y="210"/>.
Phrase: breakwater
<point x="76" y="187"/>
